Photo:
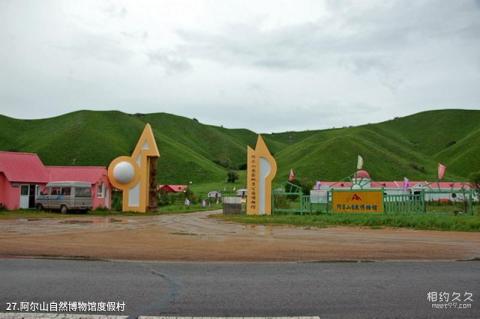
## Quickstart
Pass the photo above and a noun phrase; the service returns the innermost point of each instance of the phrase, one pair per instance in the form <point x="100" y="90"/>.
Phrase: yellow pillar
<point x="131" y="174"/>
<point x="261" y="170"/>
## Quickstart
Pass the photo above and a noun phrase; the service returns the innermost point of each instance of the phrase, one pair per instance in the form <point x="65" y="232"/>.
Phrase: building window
<point x="101" y="190"/>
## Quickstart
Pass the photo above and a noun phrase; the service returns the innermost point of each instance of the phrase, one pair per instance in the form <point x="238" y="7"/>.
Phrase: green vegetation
<point x="204" y="154"/>
<point x="415" y="221"/>
<point x="475" y="180"/>
<point x="232" y="176"/>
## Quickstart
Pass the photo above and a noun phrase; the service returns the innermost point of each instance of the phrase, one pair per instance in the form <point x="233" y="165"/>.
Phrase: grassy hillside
<point x="327" y="153"/>
<point x="95" y="138"/>
<point x="410" y="146"/>
<point x="191" y="151"/>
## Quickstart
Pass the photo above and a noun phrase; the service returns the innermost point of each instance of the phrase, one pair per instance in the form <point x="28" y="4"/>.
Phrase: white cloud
<point x="301" y="64"/>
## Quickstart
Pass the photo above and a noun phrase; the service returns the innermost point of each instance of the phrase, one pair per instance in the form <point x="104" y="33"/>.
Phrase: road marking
<point x="17" y="315"/>
<point x="177" y="317"/>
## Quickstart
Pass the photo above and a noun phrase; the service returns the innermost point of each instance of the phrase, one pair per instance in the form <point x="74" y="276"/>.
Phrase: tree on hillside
<point x="232" y="176"/>
<point x="475" y="180"/>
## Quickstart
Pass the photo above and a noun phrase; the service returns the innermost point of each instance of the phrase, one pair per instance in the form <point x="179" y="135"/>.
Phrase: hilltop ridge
<point x="192" y="151"/>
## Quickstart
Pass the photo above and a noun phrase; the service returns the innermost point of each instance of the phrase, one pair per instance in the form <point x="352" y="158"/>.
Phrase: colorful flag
<point x="359" y="162"/>
<point x="406" y="184"/>
<point x="291" y="176"/>
<point x="441" y="170"/>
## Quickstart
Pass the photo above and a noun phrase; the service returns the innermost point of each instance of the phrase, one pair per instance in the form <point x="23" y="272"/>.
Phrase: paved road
<point x="330" y="290"/>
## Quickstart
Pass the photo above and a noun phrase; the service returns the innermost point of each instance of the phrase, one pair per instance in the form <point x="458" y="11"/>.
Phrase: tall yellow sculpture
<point x="261" y="169"/>
<point x="135" y="175"/>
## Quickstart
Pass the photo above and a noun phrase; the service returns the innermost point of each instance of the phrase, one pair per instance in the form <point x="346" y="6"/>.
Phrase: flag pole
<point x="438" y="177"/>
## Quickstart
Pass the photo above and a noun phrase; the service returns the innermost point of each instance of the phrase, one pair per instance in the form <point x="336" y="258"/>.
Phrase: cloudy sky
<point x="263" y="65"/>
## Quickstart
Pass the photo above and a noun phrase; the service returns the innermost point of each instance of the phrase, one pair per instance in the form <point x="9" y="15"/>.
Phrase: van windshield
<point x="82" y="192"/>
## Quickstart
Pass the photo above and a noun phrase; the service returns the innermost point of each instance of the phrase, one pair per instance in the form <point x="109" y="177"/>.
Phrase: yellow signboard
<point x="357" y="201"/>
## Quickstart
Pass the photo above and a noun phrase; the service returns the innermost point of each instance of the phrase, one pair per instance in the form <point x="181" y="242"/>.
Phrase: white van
<point x="65" y="196"/>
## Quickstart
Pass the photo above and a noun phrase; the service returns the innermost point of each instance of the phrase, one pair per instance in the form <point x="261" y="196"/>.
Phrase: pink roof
<point x="336" y="184"/>
<point x="448" y="185"/>
<point x="391" y="184"/>
<point x="89" y="174"/>
<point x="23" y="167"/>
<point x="174" y="188"/>
<point x="399" y="184"/>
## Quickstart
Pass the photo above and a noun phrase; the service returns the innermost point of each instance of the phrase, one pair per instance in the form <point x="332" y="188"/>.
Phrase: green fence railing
<point x="404" y="203"/>
<point x="461" y="201"/>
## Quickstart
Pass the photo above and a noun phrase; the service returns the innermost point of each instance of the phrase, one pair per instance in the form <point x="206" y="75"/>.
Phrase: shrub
<point x="166" y="198"/>
<point x="417" y="167"/>
<point x="451" y="143"/>
<point x="232" y="176"/>
<point x="224" y="163"/>
<point x="242" y="167"/>
<point x="117" y="201"/>
<point x="191" y="196"/>
<point x="475" y="180"/>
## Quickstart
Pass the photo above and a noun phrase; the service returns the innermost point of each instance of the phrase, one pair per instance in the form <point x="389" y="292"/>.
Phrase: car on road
<point x="65" y="196"/>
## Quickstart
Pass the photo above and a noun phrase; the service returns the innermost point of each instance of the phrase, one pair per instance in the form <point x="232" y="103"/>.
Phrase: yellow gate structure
<point x="135" y="174"/>
<point x="261" y="169"/>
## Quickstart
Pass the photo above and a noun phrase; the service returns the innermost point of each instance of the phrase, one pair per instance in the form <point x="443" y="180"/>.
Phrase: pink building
<point x="23" y="176"/>
<point x="435" y="191"/>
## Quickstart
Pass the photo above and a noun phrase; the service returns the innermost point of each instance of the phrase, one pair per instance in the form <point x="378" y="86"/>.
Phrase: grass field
<point x="415" y="221"/>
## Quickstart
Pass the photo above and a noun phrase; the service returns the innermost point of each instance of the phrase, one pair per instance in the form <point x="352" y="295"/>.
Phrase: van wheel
<point x="39" y="207"/>
<point x="63" y="209"/>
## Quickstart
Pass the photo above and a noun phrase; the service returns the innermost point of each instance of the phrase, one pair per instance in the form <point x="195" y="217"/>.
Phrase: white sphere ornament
<point x="124" y="172"/>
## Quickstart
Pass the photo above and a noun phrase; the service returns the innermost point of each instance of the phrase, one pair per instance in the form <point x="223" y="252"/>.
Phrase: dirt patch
<point x="195" y="237"/>
<point x="72" y="221"/>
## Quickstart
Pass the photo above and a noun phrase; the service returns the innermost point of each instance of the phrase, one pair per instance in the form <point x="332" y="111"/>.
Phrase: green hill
<point x="191" y="151"/>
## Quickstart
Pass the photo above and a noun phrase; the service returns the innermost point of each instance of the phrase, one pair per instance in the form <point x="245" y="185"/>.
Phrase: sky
<point x="269" y="66"/>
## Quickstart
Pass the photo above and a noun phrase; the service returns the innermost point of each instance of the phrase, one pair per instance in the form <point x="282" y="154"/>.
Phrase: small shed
<point x="214" y="194"/>
<point x="242" y="192"/>
<point x="172" y="188"/>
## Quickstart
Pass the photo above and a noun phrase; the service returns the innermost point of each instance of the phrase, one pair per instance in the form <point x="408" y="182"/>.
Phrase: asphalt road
<point x="329" y="290"/>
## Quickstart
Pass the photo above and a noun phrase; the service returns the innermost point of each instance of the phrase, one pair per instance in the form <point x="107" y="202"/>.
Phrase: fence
<point x="424" y="201"/>
<point x="457" y="202"/>
<point x="404" y="203"/>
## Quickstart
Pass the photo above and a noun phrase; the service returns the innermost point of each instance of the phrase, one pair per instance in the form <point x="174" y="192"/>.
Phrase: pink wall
<point x="106" y="201"/>
<point x="9" y="196"/>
